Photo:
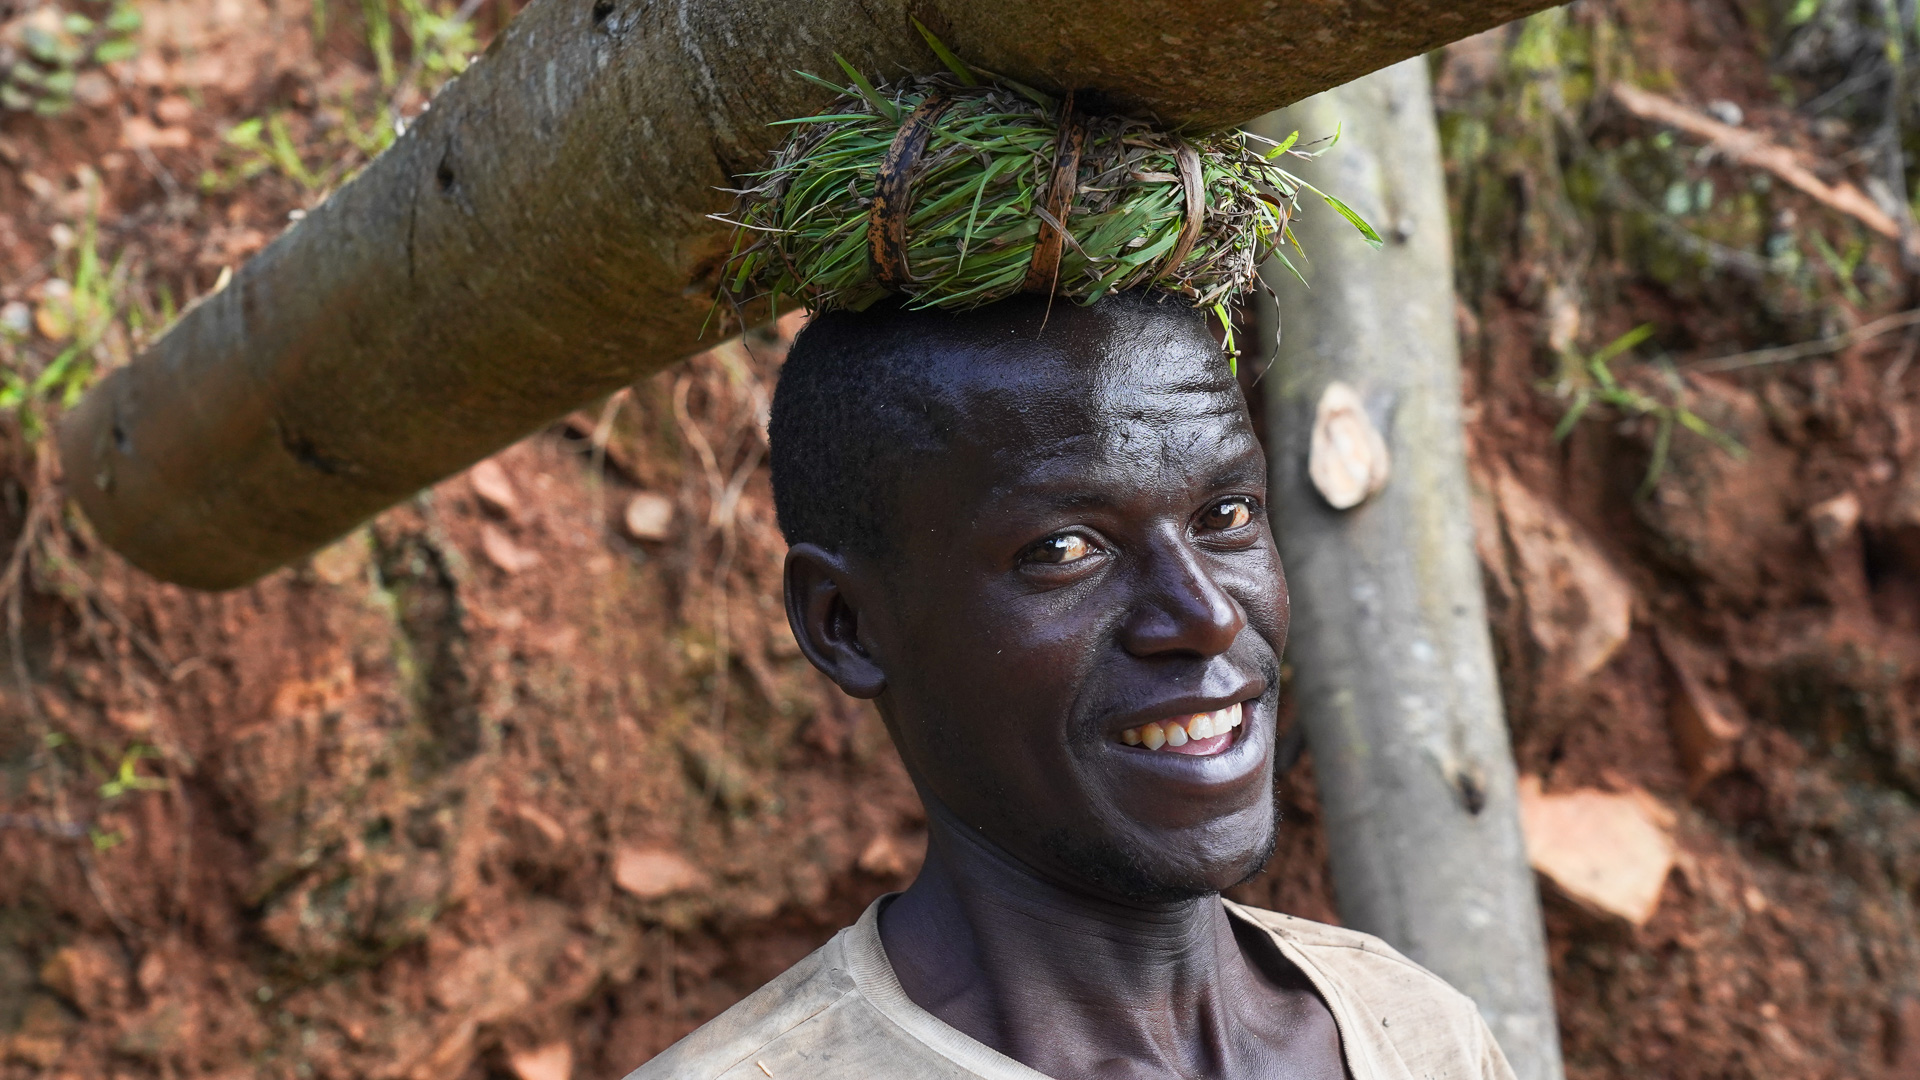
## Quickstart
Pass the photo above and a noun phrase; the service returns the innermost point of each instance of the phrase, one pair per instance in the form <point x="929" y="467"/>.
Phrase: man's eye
<point x="1065" y="548"/>
<point x="1227" y="514"/>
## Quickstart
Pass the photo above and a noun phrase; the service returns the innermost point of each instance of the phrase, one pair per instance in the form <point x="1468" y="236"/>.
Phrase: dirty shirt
<point x="841" y="1014"/>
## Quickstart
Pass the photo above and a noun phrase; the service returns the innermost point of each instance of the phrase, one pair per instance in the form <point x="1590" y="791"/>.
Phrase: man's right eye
<point x="1063" y="548"/>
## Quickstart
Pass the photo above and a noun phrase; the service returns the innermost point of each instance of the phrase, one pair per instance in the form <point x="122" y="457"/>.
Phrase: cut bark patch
<point x="1346" y="459"/>
<point x="1609" y="852"/>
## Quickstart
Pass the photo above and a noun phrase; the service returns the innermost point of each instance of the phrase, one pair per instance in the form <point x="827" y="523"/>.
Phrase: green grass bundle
<point x="979" y="162"/>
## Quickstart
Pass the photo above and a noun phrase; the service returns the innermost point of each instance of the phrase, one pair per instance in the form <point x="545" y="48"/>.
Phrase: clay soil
<point x="503" y="784"/>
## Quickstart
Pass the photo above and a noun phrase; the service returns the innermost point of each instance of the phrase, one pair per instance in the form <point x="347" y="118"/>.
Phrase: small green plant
<point x="126" y="777"/>
<point x="256" y="146"/>
<point x="1842" y="265"/>
<point x="355" y="128"/>
<point x="91" y="315"/>
<point x="441" y="42"/>
<point x="267" y="144"/>
<point x="85" y="320"/>
<point x="1590" y="380"/>
<point x="55" y="47"/>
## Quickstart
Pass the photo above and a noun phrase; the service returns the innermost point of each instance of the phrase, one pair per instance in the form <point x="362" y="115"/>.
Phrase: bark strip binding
<point x="892" y="194"/>
<point x="1043" y="273"/>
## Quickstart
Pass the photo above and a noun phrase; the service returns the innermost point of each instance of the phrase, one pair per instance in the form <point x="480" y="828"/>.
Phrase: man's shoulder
<point x="1402" y="1010"/>
<point x="1355" y="956"/>
<point x="821" y="1018"/>
<point x="762" y="1019"/>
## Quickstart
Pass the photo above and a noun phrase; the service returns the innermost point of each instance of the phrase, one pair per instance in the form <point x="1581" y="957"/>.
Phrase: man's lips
<point x="1196" y="734"/>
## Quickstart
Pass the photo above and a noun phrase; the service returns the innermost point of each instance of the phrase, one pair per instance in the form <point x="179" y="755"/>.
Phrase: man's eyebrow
<point x="1245" y="470"/>
<point x="1073" y="492"/>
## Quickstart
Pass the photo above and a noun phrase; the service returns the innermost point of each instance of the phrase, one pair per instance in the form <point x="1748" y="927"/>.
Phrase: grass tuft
<point x="979" y="195"/>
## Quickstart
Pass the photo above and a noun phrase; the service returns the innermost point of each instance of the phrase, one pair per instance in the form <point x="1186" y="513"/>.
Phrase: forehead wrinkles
<point x="1057" y="431"/>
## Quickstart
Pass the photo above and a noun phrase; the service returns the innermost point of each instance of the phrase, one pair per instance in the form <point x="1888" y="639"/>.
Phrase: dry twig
<point x="1786" y="353"/>
<point x="1754" y="149"/>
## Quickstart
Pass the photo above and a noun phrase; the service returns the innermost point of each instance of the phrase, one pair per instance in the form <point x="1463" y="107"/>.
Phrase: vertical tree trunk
<point x="1395" y="675"/>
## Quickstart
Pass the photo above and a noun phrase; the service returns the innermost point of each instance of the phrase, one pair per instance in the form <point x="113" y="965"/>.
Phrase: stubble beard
<point x="1111" y="869"/>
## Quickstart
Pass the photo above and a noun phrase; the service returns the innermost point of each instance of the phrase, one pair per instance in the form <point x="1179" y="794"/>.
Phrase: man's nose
<point x="1180" y="608"/>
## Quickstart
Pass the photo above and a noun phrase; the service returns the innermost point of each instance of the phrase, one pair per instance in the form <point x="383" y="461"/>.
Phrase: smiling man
<point x="1037" y="540"/>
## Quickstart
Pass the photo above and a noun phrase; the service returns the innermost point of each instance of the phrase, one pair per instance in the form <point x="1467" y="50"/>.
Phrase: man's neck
<point x="1081" y="987"/>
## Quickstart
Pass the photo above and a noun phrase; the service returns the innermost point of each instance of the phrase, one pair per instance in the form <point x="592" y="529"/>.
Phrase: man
<point x="1036" y="536"/>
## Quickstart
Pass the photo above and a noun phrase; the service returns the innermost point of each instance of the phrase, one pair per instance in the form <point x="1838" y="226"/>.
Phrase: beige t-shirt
<point x="840" y="1014"/>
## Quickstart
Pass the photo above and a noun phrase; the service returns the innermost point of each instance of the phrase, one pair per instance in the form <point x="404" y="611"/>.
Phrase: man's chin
<point x="1134" y="874"/>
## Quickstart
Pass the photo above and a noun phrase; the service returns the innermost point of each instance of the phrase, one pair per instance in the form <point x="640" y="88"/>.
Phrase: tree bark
<point x="539" y="238"/>
<point x="1395" y="678"/>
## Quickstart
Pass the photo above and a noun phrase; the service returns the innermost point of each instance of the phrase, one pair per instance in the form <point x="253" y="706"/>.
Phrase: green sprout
<point x="440" y="41"/>
<point x="126" y="777"/>
<point x="87" y="316"/>
<point x="1603" y="388"/>
<point x="56" y="48"/>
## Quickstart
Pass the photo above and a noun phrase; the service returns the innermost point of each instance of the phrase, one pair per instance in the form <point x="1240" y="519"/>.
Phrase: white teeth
<point x="1179" y="733"/>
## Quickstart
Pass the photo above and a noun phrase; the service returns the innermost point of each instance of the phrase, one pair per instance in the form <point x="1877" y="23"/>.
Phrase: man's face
<point x="1086" y="567"/>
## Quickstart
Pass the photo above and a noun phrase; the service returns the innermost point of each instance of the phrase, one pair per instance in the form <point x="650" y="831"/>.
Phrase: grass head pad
<point x="955" y="194"/>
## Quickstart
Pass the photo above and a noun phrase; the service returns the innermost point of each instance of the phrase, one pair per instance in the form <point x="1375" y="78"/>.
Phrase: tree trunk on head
<point x="540" y="238"/>
<point x="1395" y="677"/>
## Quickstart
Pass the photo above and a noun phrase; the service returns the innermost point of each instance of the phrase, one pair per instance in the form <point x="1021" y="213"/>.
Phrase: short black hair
<point x="855" y="403"/>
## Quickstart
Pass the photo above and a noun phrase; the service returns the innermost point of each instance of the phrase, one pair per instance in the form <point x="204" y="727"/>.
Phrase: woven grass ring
<point x="956" y="193"/>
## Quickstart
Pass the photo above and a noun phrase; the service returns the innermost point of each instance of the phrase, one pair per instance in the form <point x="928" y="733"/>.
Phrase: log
<point x="538" y="239"/>
<point x="1395" y="680"/>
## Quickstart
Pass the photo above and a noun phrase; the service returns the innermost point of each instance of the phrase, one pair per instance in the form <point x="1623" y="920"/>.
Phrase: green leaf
<point x="1330" y="143"/>
<point x="40" y="45"/>
<point x="1692" y="422"/>
<point x="867" y="90"/>
<point x="1226" y="326"/>
<point x="1283" y="146"/>
<point x="954" y="64"/>
<point x="1358" y="222"/>
<point x="125" y="19"/>
<point x="1581" y="399"/>
<point x="1281" y="254"/>
<point x="1625" y="341"/>
<point x="1603" y="375"/>
<point x="1045" y="101"/>
<point x="116" y="49"/>
<point x="246" y="133"/>
<point x="1662" y="440"/>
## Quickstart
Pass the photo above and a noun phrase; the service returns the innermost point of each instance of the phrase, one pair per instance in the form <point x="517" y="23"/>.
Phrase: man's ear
<point x="826" y="618"/>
